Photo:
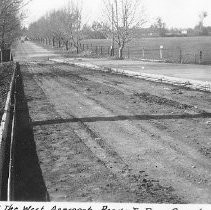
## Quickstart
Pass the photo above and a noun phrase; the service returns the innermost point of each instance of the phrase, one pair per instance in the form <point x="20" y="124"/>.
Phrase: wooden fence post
<point x="180" y="56"/>
<point x="200" y="57"/>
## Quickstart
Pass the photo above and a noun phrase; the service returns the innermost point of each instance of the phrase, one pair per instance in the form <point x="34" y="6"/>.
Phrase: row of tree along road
<point x="10" y="25"/>
<point x="65" y="25"/>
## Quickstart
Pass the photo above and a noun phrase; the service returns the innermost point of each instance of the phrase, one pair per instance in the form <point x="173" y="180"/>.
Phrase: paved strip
<point x="184" y="71"/>
<point x="193" y="84"/>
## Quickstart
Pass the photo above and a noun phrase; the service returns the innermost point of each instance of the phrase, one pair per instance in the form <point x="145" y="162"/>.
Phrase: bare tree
<point x="160" y="26"/>
<point x="199" y="29"/>
<point x="202" y="17"/>
<point x="121" y="17"/>
<point x="72" y="25"/>
<point x="10" y="21"/>
<point x="62" y="25"/>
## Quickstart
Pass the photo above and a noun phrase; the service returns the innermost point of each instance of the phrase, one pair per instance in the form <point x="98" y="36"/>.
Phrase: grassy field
<point x="175" y="48"/>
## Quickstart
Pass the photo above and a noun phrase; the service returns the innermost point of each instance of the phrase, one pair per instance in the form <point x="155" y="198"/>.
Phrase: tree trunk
<point x="112" y="50"/>
<point x="77" y="49"/>
<point x="59" y="43"/>
<point x="2" y="36"/>
<point x="53" y="40"/>
<point x="120" y="52"/>
<point x="66" y="44"/>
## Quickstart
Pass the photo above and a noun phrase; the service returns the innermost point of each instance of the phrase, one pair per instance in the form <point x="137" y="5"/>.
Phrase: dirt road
<point x="30" y="51"/>
<point x="106" y="137"/>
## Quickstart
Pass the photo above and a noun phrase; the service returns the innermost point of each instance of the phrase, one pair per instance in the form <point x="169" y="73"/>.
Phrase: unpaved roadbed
<point x="107" y="137"/>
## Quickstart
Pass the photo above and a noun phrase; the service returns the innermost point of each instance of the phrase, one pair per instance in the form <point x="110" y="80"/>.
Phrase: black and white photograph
<point x="105" y="101"/>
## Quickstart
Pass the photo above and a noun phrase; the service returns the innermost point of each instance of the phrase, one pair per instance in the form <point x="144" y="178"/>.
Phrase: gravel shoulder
<point x="107" y="137"/>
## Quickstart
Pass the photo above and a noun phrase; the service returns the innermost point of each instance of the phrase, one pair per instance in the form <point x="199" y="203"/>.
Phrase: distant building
<point x="184" y="32"/>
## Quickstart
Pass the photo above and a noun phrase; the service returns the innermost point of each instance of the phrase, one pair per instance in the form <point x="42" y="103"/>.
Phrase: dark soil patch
<point x="206" y="151"/>
<point x="161" y="101"/>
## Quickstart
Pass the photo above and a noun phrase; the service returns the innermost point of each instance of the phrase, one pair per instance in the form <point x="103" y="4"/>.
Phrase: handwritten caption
<point x="96" y="206"/>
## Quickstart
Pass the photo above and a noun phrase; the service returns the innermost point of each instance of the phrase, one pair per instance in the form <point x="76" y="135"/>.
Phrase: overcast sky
<point x="175" y="13"/>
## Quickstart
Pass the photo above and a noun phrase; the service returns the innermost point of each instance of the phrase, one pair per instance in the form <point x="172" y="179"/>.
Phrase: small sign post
<point x="161" y="51"/>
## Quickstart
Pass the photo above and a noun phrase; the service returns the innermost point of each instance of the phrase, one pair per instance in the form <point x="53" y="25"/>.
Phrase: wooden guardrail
<point x="5" y="127"/>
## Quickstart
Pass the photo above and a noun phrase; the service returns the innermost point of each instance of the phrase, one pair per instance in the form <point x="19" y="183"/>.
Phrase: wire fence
<point x="174" y="55"/>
